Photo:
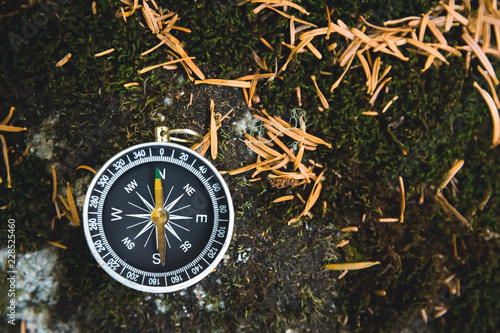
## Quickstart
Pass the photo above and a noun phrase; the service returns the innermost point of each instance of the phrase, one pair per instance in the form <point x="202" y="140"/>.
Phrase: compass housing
<point x="119" y="215"/>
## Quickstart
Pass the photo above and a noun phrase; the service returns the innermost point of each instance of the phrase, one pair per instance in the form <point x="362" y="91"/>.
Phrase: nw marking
<point x="131" y="186"/>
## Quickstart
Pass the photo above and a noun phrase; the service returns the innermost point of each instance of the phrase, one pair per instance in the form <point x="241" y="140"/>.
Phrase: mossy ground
<point x="280" y="281"/>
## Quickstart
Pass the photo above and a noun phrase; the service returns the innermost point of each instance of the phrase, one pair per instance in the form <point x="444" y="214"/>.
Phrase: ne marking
<point x="218" y="242"/>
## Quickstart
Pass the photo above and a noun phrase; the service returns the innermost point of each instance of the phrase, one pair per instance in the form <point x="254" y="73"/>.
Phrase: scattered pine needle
<point x="388" y="219"/>
<point x="449" y="176"/>
<point x="71" y="202"/>
<point x="284" y="198"/>
<point x="351" y="266"/>
<point x="64" y="247"/>
<point x="6" y="160"/>
<point x="86" y="167"/>
<point x="103" y="53"/>
<point x="213" y="131"/>
<point x="54" y="183"/>
<point x="349" y="229"/>
<point x="64" y="60"/>
<point x="403" y="199"/>
<point x="229" y="83"/>
<point x="343" y="243"/>
<point x="130" y="84"/>
<point x="494" y="115"/>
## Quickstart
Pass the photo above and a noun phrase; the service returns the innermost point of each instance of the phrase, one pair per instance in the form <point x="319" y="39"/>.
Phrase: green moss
<point x="282" y="285"/>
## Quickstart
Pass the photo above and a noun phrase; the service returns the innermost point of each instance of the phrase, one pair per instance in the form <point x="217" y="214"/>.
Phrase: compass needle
<point x="160" y="216"/>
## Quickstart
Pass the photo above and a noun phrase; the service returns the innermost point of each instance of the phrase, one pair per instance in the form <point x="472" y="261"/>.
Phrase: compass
<point x="158" y="217"/>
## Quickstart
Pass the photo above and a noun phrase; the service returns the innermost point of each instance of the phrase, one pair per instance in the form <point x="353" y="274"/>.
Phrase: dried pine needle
<point x="427" y="48"/>
<point x="490" y="84"/>
<point x="283" y="3"/>
<point x="72" y="206"/>
<point x="54" y="183"/>
<point x="370" y="113"/>
<point x="388" y="219"/>
<point x="442" y="200"/>
<point x="351" y="266"/>
<point x="86" y="168"/>
<point x="266" y="43"/>
<point x="229" y="83"/>
<point x="480" y="54"/>
<point x="63" y="201"/>
<point x="453" y="171"/>
<point x="315" y="192"/>
<point x="284" y="198"/>
<point x="9" y="116"/>
<point x="322" y="98"/>
<point x="403" y="199"/>
<point x="253" y="166"/>
<point x="213" y="131"/>
<point x="6" y="128"/>
<point x="147" y="69"/>
<point x="494" y="115"/>
<point x="64" y="247"/>
<point x="379" y="88"/>
<point x="300" y="154"/>
<point x="6" y="160"/>
<point x="337" y="83"/>
<point x="103" y="53"/>
<point x="343" y="243"/>
<point x="130" y="84"/>
<point x="349" y="229"/>
<point x="64" y="60"/>
<point x="314" y="50"/>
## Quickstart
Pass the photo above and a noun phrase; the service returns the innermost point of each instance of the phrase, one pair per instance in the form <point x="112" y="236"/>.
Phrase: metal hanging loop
<point x="164" y="134"/>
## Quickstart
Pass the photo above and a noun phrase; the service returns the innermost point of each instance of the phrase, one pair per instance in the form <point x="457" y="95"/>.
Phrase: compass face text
<point x="158" y="217"/>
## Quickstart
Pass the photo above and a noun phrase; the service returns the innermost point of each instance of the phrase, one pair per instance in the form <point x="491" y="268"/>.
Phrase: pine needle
<point x="72" y="206"/>
<point x="351" y="266"/>
<point x="64" y="247"/>
<point x="64" y="60"/>
<point x="494" y="115"/>
<point x="284" y="198"/>
<point x="213" y="131"/>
